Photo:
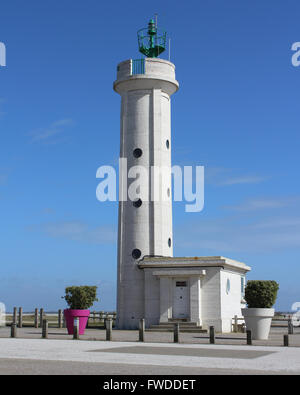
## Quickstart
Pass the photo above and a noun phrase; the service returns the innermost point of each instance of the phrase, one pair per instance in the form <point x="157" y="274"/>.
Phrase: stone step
<point x="183" y="327"/>
<point x="181" y="324"/>
<point x="196" y="329"/>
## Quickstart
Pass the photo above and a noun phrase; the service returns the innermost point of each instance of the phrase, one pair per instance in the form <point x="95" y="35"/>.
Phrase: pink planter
<point x="83" y="316"/>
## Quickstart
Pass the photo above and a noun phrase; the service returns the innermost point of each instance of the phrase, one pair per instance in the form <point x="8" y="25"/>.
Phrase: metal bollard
<point x="36" y="318"/>
<point x="13" y="330"/>
<point x="176" y="332"/>
<point x="249" y="338"/>
<point x="108" y="325"/>
<point x="285" y="340"/>
<point x="212" y="335"/>
<point x="76" y="328"/>
<point x="20" y="321"/>
<point x="142" y="330"/>
<point x="45" y="329"/>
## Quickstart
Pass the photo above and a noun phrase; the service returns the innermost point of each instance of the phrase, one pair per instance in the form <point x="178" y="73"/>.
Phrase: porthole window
<point x="168" y="144"/>
<point x="228" y="286"/>
<point x="136" y="253"/>
<point x="169" y="242"/>
<point x="137" y="203"/>
<point x="137" y="153"/>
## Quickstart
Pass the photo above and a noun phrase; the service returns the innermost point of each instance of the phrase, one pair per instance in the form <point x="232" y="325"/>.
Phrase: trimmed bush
<point x="261" y="294"/>
<point x="80" y="297"/>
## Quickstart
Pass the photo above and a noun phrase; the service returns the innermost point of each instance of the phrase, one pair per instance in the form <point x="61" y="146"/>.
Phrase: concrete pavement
<point x="99" y="357"/>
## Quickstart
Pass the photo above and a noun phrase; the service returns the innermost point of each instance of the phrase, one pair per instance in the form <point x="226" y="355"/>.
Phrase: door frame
<point x="185" y="279"/>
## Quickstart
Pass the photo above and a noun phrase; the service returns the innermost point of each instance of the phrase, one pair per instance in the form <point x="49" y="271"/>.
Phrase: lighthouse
<point x="152" y="284"/>
<point x="145" y="224"/>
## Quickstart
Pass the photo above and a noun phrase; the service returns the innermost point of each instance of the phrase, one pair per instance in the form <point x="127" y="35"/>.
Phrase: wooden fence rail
<point x="55" y="319"/>
<point x="276" y="323"/>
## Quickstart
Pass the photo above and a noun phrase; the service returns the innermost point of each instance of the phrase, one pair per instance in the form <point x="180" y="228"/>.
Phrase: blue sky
<point x="236" y="113"/>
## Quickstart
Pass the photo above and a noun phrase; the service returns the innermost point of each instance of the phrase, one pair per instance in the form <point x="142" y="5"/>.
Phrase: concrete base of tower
<point x="128" y="324"/>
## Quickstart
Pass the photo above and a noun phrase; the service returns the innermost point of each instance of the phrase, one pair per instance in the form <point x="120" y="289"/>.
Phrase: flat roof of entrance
<point x="197" y="261"/>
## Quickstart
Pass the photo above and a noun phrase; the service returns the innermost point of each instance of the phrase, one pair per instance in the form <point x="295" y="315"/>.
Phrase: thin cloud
<point x="262" y="204"/>
<point x="227" y="235"/>
<point x="47" y="135"/>
<point x="220" y="176"/>
<point x="79" y="231"/>
<point x="242" y="180"/>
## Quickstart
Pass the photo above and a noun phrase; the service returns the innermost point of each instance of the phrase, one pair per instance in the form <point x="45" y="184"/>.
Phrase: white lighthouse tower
<point x="152" y="284"/>
<point x="145" y="224"/>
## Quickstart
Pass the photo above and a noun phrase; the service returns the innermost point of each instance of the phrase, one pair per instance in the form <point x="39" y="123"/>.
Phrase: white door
<point x="180" y="299"/>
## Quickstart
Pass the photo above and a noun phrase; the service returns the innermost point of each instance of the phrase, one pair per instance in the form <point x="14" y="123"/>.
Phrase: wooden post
<point x="108" y="324"/>
<point x="59" y="318"/>
<point x="101" y="316"/>
<point x="235" y="325"/>
<point x="13" y="330"/>
<point x="36" y="318"/>
<point x="249" y="338"/>
<point x="212" y="335"/>
<point x="76" y="329"/>
<point x="20" y="324"/>
<point x="176" y="332"/>
<point x="142" y="330"/>
<point x="15" y="316"/>
<point x="290" y="327"/>
<point x="285" y="340"/>
<point x="41" y="317"/>
<point x="45" y="329"/>
<point x="64" y="320"/>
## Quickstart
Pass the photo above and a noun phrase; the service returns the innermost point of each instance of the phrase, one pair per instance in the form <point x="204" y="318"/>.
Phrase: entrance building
<point x="203" y="290"/>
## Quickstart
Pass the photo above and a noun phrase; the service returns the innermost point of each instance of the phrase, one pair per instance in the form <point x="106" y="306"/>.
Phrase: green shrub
<point x="261" y="294"/>
<point x="80" y="297"/>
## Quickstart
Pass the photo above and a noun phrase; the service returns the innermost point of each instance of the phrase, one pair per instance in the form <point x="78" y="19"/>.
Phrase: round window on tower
<point x="168" y="144"/>
<point x="137" y="203"/>
<point x="136" y="253"/>
<point x="137" y="153"/>
<point x="169" y="242"/>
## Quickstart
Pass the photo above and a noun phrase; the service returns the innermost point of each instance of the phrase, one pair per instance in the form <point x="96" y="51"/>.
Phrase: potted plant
<point x="260" y="297"/>
<point x="79" y="299"/>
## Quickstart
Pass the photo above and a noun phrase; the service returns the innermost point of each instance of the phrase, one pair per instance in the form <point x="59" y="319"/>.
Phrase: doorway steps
<point x="184" y="326"/>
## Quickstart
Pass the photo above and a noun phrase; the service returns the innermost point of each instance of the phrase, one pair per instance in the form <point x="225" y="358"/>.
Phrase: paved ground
<point x="275" y="338"/>
<point x="40" y="367"/>
<point x="61" y="355"/>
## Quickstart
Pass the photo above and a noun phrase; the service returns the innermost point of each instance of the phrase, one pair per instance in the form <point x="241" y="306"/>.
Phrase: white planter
<point x="258" y="321"/>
